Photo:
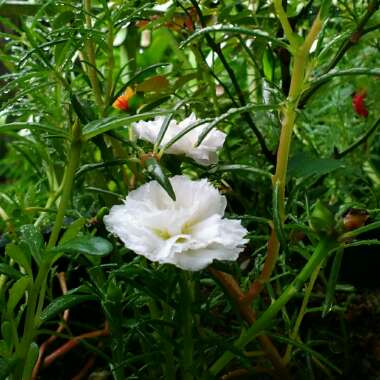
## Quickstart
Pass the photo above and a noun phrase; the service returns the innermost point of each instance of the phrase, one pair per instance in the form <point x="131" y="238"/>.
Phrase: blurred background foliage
<point x="60" y="63"/>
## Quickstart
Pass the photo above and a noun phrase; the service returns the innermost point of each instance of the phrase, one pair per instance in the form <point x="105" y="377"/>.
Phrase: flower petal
<point x="204" y="154"/>
<point x="189" y="232"/>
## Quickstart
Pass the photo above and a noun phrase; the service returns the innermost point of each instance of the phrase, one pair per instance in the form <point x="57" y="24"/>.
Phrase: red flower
<point x="359" y="104"/>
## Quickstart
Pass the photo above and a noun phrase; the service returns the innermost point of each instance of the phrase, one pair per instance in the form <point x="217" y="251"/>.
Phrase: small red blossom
<point x="359" y="104"/>
<point x="122" y="102"/>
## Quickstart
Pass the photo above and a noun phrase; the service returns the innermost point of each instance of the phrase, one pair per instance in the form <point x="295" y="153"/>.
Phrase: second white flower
<point x="204" y="154"/>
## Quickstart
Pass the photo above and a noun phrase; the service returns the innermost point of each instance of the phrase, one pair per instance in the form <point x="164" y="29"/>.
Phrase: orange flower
<point x="122" y="102"/>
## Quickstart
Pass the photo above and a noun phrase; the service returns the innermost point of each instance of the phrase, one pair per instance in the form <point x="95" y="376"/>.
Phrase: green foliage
<point x="64" y="64"/>
<point x="62" y="303"/>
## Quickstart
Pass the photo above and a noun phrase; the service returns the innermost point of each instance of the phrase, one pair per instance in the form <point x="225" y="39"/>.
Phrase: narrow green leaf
<point x="232" y="112"/>
<point x="189" y="128"/>
<point x="98" y="127"/>
<point x="32" y="240"/>
<point x="359" y="231"/>
<point x="339" y="73"/>
<point x="88" y="245"/>
<point x="63" y="53"/>
<point x="19" y="256"/>
<point x="63" y="18"/>
<point x="145" y="281"/>
<point x="73" y="230"/>
<point x="43" y="46"/>
<point x="16" y="293"/>
<point x="154" y="102"/>
<point x="268" y="64"/>
<point x="62" y="303"/>
<point x="103" y="191"/>
<point x="362" y="242"/>
<point x="155" y="170"/>
<point x="33" y="126"/>
<point x="331" y="284"/>
<point x="302" y="165"/>
<point x="7" y="333"/>
<point x="10" y="271"/>
<point x="306" y="348"/>
<point x="6" y="367"/>
<point x="100" y="165"/>
<point x="324" y="10"/>
<point x="17" y="8"/>
<point x="167" y="120"/>
<point x="4" y="351"/>
<point x="228" y="29"/>
<point x="240" y="167"/>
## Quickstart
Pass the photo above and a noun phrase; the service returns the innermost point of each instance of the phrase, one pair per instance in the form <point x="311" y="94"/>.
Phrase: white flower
<point x="204" y="154"/>
<point x="24" y="132"/>
<point x="189" y="232"/>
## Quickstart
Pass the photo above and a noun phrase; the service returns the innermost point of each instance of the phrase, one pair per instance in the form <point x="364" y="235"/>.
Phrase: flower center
<point x="163" y="234"/>
<point x="186" y="228"/>
<point x="166" y="235"/>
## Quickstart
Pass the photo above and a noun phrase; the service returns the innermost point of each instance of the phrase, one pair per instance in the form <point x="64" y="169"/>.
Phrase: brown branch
<point x="246" y="312"/>
<point x="270" y="261"/>
<point x="241" y="372"/>
<point x="73" y="342"/>
<point x="86" y="369"/>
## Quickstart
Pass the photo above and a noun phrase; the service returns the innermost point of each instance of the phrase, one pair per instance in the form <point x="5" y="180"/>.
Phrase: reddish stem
<point x="242" y="373"/>
<point x="86" y="369"/>
<point x="246" y="312"/>
<point x="73" y="342"/>
<point x="270" y="261"/>
<point x="62" y="282"/>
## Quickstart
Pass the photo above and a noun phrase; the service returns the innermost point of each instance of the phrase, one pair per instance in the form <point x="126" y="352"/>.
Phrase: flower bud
<point x="354" y="219"/>
<point x="322" y="219"/>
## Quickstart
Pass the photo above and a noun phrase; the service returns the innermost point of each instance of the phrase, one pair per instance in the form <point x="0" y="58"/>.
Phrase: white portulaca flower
<point x="24" y="132"/>
<point x="204" y="154"/>
<point x="189" y="232"/>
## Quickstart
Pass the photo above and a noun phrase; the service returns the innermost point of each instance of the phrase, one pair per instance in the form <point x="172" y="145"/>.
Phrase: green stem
<point x="68" y="179"/>
<point x="315" y="260"/>
<point x="169" y="366"/>
<point x="111" y="61"/>
<point x="29" y="327"/>
<point x="299" y="75"/>
<point x="281" y="15"/>
<point x="37" y="293"/>
<point x="90" y="53"/>
<point x="302" y="311"/>
<point x="52" y="198"/>
<point x="187" y="324"/>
